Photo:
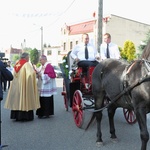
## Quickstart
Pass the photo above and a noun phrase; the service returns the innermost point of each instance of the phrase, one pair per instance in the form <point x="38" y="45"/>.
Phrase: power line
<point x="62" y="13"/>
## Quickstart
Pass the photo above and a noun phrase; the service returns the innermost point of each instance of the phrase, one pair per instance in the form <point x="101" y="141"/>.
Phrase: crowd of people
<point x="31" y="88"/>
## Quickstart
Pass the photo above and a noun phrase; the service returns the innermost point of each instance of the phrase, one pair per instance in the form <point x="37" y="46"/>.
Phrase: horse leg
<point x="142" y="121"/>
<point x="98" y="105"/>
<point x="99" y="140"/>
<point x="111" y="112"/>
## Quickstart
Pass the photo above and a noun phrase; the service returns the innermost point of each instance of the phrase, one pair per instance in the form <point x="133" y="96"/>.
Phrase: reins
<point x="125" y="90"/>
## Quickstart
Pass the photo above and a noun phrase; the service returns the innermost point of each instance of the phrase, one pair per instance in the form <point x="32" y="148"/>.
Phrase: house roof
<point x="80" y="28"/>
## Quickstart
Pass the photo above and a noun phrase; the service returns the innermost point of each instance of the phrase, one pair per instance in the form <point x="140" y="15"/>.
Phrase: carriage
<point x="77" y="91"/>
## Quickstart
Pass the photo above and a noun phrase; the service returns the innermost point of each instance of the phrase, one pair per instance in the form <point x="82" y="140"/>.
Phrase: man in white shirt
<point x="109" y="49"/>
<point x="79" y="55"/>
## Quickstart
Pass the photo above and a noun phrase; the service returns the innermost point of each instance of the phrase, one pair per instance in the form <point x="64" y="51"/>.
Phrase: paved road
<point x="60" y="133"/>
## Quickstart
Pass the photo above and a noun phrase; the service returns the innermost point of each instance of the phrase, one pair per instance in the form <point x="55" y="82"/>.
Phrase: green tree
<point x="128" y="52"/>
<point x="15" y="58"/>
<point x="34" y="56"/>
<point x="131" y="51"/>
<point x="124" y="51"/>
<point x="28" y="49"/>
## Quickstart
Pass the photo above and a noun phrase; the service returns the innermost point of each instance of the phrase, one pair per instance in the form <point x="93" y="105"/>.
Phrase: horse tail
<point x="91" y="120"/>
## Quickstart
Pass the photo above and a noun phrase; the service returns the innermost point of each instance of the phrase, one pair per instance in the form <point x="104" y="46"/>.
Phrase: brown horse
<point x="126" y="86"/>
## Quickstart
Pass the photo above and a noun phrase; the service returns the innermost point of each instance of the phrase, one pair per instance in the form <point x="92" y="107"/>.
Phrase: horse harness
<point x="127" y="96"/>
<point x="125" y="87"/>
<point x="124" y="84"/>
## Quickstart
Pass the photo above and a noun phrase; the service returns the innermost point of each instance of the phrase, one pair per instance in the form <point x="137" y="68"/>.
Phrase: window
<point x="64" y="31"/>
<point x="64" y="46"/>
<point x="49" y="52"/>
<point x="70" y="45"/>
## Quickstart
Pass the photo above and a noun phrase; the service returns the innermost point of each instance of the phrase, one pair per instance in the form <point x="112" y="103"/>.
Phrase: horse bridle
<point x="147" y="65"/>
<point x="130" y="87"/>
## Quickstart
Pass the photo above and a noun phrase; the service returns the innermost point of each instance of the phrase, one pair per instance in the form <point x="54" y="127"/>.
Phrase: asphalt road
<point x="60" y="132"/>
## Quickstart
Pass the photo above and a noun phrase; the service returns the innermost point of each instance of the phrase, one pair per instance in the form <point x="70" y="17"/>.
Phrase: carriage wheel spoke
<point x="78" y="117"/>
<point x="77" y="108"/>
<point x="129" y="116"/>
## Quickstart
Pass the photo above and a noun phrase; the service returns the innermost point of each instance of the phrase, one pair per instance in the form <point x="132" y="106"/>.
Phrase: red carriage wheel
<point x="129" y="116"/>
<point x="64" y="93"/>
<point x="77" y="108"/>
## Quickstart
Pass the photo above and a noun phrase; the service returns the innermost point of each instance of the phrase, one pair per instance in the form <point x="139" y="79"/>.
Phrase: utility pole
<point x="100" y="24"/>
<point x="41" y="28"/>
<point x="41" y="40"/>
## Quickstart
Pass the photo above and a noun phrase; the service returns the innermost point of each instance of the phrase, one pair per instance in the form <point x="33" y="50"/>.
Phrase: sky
<point x="21" y="20"/>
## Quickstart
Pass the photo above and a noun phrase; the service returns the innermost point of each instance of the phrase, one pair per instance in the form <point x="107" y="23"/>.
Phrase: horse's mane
<point x="146" y="52"/>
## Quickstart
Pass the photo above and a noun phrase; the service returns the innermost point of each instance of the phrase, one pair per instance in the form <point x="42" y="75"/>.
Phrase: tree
<point x="124" y="51"/>
<point x="28" y="49"/>
<point x="34" y="56"/>
<point x="15" y="58"/>
<point x="128" y="53"/>
<point x="131" y="51"/>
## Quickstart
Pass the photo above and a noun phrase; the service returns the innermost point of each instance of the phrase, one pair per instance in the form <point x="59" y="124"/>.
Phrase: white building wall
<point x="122" y="29"/>
<point x="55" y="57"/>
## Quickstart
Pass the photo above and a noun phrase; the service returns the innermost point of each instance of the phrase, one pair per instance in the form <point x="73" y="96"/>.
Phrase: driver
<point x="84" y="53"/>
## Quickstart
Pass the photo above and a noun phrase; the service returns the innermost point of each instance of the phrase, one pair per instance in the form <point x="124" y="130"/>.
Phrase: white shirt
<point x="113" y="51"/>
<point x="79" y="52"/>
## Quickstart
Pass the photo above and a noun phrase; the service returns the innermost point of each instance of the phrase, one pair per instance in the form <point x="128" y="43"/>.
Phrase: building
<point x="10" y="52"/>
<point x="53" y="55"/>
<point x="71" y="34"/>
<point x="121" y="30"/>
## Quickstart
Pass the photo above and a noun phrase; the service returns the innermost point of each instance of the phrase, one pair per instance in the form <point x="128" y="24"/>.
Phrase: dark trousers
<point x="8" y="82"/>
<point x="4" y="84"/>
<point x="47" y="107"/>
<point x="86" y="63"/>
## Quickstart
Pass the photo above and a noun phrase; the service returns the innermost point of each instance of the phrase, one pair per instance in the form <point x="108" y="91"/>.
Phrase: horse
<point x="124" y="85"/>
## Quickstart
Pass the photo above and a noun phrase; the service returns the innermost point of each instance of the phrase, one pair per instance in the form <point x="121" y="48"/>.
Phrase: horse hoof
<point x="115" y="140"/>
<point x="99" y="144"/>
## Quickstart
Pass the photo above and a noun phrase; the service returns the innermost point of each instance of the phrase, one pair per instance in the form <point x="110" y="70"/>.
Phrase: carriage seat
<point x="82" y="67"/>
<point x="86" y="64"/>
